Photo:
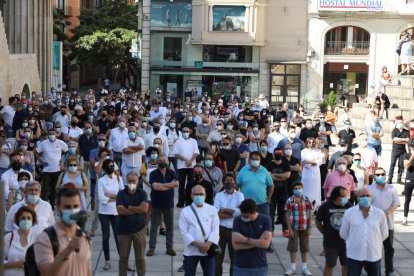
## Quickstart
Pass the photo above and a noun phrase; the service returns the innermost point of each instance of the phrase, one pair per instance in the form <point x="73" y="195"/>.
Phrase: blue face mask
<point x="208" y="163"/>
<point x="344" y="200"/>
<point x="71" y="150"/>
<point x="65" y="216"/>
<point x="199" y="199"/>
<point x="263" y="148"/>
<point x="25" y="224"/>
<point x="365" y="201"/>
<point x="357" y="162"/>
<point x="162" y="121"/>
<point x="380" y="179"/>
<point x="101" y="144"/>
<point x="33" y="199"/>
<point x="186" y="135"/>
<point x="298" y="192"/>
<point x="132" y="135"/>
<point x="154" y="156"/>
<point x="172" y="125"/>
<point x="88" y="131"/>
<point x="255" y="163"/>
<point x="23" y="148"/>
<point x="51" y="138"/>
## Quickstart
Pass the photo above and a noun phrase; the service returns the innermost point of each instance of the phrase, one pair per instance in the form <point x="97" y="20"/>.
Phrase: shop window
<point x="222" y="53"/>
<point x="172" y="48"/>
<point x="285" y="84"/>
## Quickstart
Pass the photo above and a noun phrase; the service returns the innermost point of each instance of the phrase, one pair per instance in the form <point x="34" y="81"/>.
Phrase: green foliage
<point x="330" y="100"/>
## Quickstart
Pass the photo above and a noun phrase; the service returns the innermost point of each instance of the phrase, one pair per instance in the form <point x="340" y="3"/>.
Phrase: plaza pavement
<point x="162" y="264"/>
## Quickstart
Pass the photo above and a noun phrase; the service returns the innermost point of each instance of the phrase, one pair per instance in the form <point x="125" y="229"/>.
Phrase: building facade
<point x="218" y="46"/>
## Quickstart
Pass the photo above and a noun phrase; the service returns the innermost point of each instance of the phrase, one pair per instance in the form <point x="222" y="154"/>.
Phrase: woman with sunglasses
<point x="361" y="174"/>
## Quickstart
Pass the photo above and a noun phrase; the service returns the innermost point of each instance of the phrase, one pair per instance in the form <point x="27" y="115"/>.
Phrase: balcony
<point x="356" y="48"/>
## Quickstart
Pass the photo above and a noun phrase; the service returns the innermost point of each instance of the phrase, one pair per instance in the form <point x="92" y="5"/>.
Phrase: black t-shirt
<point x="294" y="175"/>
<point x="162" y="199"/>
<point x="400" y="134"/>
<point x="331" y="216"/>
<point x="265" y="160"/>
<point x="231" y="157"/>
<point x="103" y="125"/>
<point x="207" y="186"/>
<point x="280" y="186"/>
<point x="410" y="171"/>
<point x="306" y="133"/>
<point x="279" y="114"/>
<point x="347" y="136"/>
<point x="254" y="257"/>
<point x="131" y="224"/>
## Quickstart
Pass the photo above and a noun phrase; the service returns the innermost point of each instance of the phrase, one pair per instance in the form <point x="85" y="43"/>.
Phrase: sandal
<point x="107" y="265"/>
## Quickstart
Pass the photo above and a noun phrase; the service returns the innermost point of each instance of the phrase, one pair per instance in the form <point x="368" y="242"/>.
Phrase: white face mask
<point x="292" y="135"/>
<point x="342" y="167"/>
<point x="132" y="186"/>
<point x="122" y="124"/>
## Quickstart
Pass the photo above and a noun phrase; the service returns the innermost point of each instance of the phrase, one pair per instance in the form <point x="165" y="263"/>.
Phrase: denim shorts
<point x="253" y="271"/>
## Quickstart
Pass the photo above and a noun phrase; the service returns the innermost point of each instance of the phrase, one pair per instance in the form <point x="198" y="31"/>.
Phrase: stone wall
<point x="16" y="70"/>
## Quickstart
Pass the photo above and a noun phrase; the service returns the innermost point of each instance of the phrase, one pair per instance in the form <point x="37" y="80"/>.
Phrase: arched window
<point x="407" y="31"/>
<point x="347" y="40"/>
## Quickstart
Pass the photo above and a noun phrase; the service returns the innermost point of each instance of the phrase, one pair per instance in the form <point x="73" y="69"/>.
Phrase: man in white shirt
<point x="157" y="133"/>
<point x="215" y="135"/>
<point x="158" y="111"/>
<point x="369" y="158"/>
<point x="385" y="197"/>
<point x="186" y="151"/>
<point x="132" y="153"/>
<point x="45" y="217"/>
<point x="197" y="244"/>
<point x="227" y="203"/>
<point x="8" y="112"/>
<point x="263" y="102"/>
<point x="364" y="228"/>
<point x="73" y="132"/>
<point x="9" y="177"/>
<point x="49" y="154"/>
<point x="274" y="138"/>
<point x="116" y="141"/>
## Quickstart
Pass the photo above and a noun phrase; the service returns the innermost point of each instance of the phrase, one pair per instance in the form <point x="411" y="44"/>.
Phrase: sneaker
<point x="181" y="269"/>
<point x="107" y="265"/>
<point x="163" y="232"/>
<point x="389" y="181"/>
<point x="151" y="252"/>
<point x="289" y="272"/>
<point x="405" y="222"/>
<point x="131" y="268"/>
<point x="286" y="233"/>
<point x="171" y="252"/>
<point x="306" y="271"/>
<point x="180" y="205"/>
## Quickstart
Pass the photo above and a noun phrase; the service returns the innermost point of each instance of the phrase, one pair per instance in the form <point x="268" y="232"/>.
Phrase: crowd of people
<point x="240" y="168"/>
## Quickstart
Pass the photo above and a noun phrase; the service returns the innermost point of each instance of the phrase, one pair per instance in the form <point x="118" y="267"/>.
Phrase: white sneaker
<point x="306" y="271"/>
<point x="290" y="272"/>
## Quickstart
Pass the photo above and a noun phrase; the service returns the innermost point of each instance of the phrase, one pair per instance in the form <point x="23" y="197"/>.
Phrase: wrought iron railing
<point x="346" y="48"/>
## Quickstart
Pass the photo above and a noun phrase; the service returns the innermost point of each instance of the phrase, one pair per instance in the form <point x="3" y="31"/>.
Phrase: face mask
<point x="341" y="168"/>
<point x="132" y="135"/>
<point x="132" y="186"/>
<point x="88" y="131"/>
<point x="172" y="125"/>
<point x="228" y="185"/>
<point x="33" y="199"/>
<point x="365" y="201"/>
<point x="223" y="136"/>
<point x="25" y="125"/>
<point x="380" y="179"/>
<point x="124" y="111"/>
<point x="186" y="135"/>
<point x="198" y="177"/>
<point x="189" y="119"/>
<point x="292" y="135"/>
<point x="71" y="150"/>
<point x="162" y="121"/>
<point x="156" y="129"/>
<point x="364" y="144"/>
<point x="283" y="124"/>
<point x="22" y="183"/>
<point x="154" y="156"/>
<point x="255" y="163"/>
<point x="298" y="192"/>
<point x="101" y="144"/>
<point x="109" y="171"/>
<point x="220" y="127"/>
<point x="347" y="126"/>
<point x="245" y="219"/>
<point x="199" y="199"/>
<point x="288" y="152"/>
<point x="241" y="118"/>
<point x="162" y="165"/>
<point x="238" y="140"/>
<point x="208" y="163"/>
<point x="72" y="169"/>
<point x="309" y="126"/>
<point x="206" y="112"/>
<point x="51" y="138"/>
<point x="344" y="200"/>
<point x="24" y="148"/>
<point x="25" y="224"/>
<point x="122" y="124"/>
<point x="322" y="121"/>
<point x="30" y="109"/>
<point x="74" y="124"/>
<point x="400" y="125"/>
<point x="144" y="124"/>
<point x="204" y="124"/>
<point x="230" y="127"/>
<point x="357" y="162"/>
<point x="255" y="129"/>
<point x="66" y="216"/>
<point x="263" y="148"/>
<point x="16" y="166"/>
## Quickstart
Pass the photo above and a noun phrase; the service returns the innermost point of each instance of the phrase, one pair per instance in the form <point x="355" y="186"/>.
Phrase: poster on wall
<point x="171" y="15"/>
<point x="196" y="87"/>
<point x="224" y="88"/>
<point x="229" y="18"/>
<point x="172" y="88"/>
<point x="351" y="5"/>
<point x="57" y="71"/>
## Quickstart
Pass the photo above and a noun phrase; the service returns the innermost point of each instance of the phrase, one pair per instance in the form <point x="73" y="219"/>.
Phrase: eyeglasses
<point x="226" y="145"/>
<point x="198" y="194"/>
<point x="311" y="143"/>
<point x="321" y="117"/>
<point x="380" y="174"/>
<point x="101" y="140"/>
<point x="364" y="196"/>
<point x="73" y="165"/>
<point x="219" y="125"/>
<point x="185" y="131"/>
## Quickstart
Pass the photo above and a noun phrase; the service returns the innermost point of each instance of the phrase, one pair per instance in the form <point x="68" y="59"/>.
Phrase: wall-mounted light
<point x="285" y="9"/>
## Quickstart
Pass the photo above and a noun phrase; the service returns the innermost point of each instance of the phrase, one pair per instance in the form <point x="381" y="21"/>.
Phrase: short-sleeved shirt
<point x="86" y="144"/>
<point x="254" y="184"/>
<point x="371" y="129"/>
<point x="331" y="216"/>
<point x="385" y="198"/>
<point x="297" y="146"/>
<point x="409" y="177"/>
<point x="400" y="134"/>
<point x="231" y="157"/>
<point x="52" y="154"/>
<point x="280" y="186"/>
<point x="254" y="257"/>
<point x="348" y="136"/>
<point x="130" y="224"/>
<point x="299" y="212"/>
<point x="243" y="148"/>
<point x="201" y="129"/>
<point x="162" y="199"/>
<point x="294" y="175"/>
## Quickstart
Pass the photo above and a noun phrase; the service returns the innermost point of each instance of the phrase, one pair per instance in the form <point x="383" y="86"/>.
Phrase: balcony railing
<point x="346" y="48"/>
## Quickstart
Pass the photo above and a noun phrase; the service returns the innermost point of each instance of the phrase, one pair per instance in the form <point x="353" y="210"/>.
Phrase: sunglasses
<point x="185" y="131"/>
<point x="73" y="165"/>
<point x="380" y="174"/>
<point x="357" y="160"/>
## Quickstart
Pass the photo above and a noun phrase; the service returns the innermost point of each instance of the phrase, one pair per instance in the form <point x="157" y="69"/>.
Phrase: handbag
<point x="214" y="248"/>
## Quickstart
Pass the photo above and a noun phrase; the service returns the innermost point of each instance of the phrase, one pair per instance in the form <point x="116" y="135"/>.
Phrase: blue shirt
<point x="93" y="155"/>
<point x="297" y="146"/>
<point x="254" y="257"/>
<point x="254" y="184"/>
<point x="377" y="128"/>
<point x="162" y="199"/>
<point x="241" y="149"/>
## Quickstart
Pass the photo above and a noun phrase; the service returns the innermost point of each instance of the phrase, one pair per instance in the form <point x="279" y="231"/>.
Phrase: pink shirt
<point x="334" y="179"/>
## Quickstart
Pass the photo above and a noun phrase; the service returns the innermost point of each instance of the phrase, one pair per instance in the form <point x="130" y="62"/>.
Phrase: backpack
<point x="30" y="266"/>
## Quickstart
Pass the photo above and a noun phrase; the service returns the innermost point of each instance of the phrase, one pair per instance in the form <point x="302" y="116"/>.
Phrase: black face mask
<point x="16" y="166"/>
<point x="198" y="177"/>
<point x="156" y="129"/>
<point x="162" y="165"/>
<point x="63" y="113"/>
<point x="109" y="170"/>
<point x="278" y="157"/>
<point x="73" y="124"/>
<point x="228" y="185"/>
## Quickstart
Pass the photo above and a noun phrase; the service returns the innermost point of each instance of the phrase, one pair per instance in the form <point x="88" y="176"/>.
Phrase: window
<point x="347" y="40"/>
<point x="285" y="84"/>
<point x="172" y="48"/>
<point x="218" y="53"/>
<point x="61" y="5"/>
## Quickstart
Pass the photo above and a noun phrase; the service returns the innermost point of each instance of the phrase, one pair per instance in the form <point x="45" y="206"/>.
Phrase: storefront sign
<point x="229" y="18"/>
<point x="351" y="5"/>
<point x="171" y="14"/>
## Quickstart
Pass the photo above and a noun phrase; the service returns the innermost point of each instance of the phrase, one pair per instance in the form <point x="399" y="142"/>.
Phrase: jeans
<point x="48" y="192"/>
<point x="95" y="222"/>
<point x="263" y="209"/>
<point x="207" y="264"/>
<point x="372" y="268"/>
<point x="183" y="176"/>
<point x="254" y="271"/>
<point x="168" y="215"/>
<point x="105" y="221"/>
<point x="225" y="240"/>
<point x="394" y="156"/>
<point x="389" y="252"/>
<point x="377" y="148"/>
<point x="279" y="201"/>
<point x="173" y="161"/>
<point x="93" y="185"/>
<point x="138" y="241"/>
<point x="408" y="192"/>
<point x="117" y="158"/>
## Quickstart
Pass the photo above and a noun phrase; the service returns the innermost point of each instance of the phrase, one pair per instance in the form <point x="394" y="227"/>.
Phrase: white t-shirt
<point x="9" y="178"/>
<point x="186" y="148"/>
<point x="52" y="154"/>
<point x="133" y="159"/>
<point x="8" y="114"/>
<point x="73" y="132"/>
